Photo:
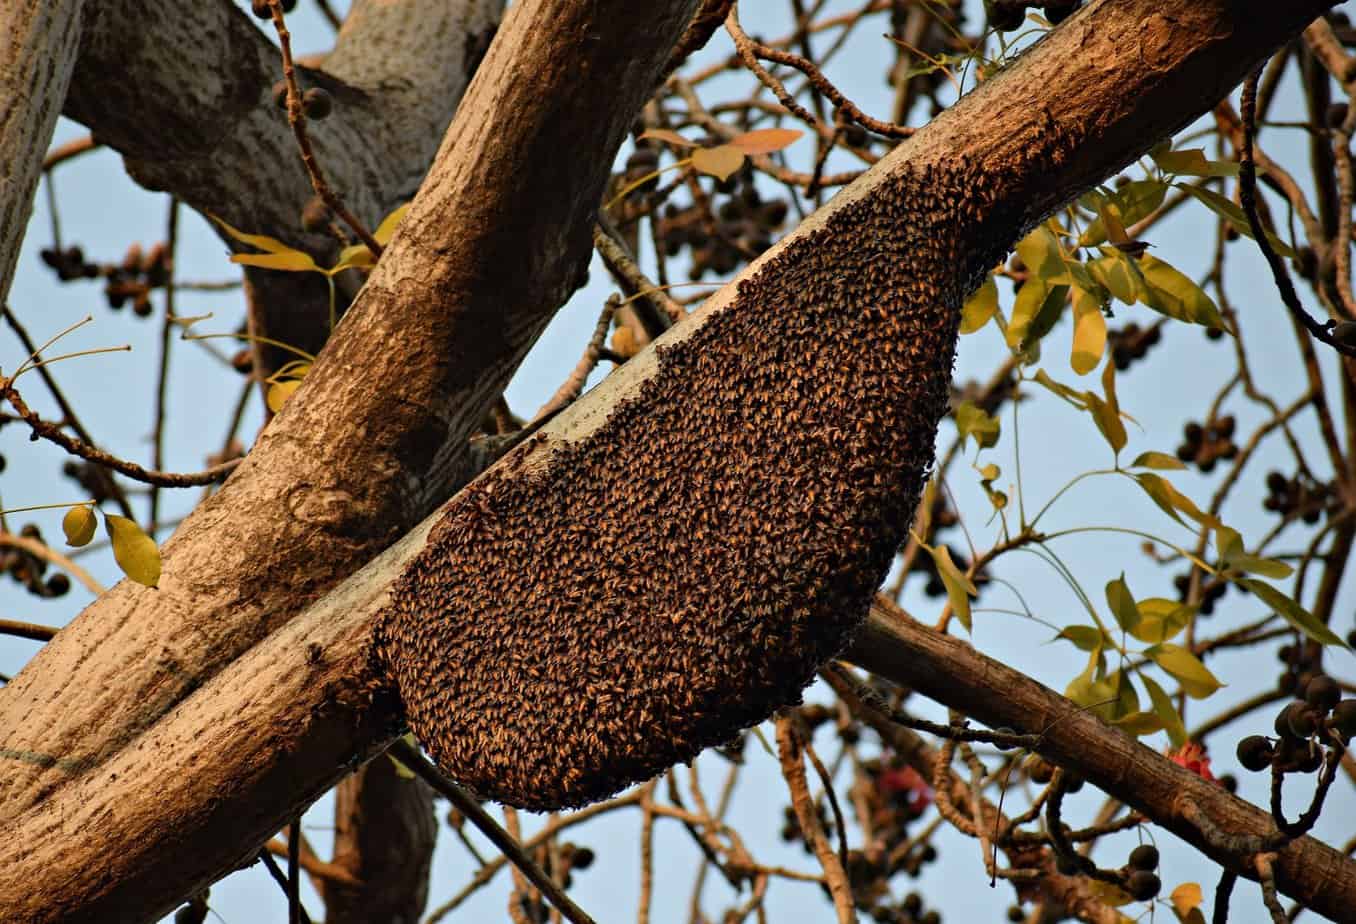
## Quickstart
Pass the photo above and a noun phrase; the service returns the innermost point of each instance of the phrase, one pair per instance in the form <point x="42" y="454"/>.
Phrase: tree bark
<point x="38" y="44"/>
<point x="213" y="137"/>
<point x="279" y="705"/>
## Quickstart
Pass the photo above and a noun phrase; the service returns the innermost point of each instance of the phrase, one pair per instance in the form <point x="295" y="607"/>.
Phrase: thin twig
<point x="28" y="630"/>
<point x="410" y="756"/>
<point x="78" y="447"/>
<point x="51" y="556"/>
<point x="297" y="119"/>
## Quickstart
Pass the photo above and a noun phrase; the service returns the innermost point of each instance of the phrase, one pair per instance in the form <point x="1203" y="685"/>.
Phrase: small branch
<point x="1225" y="888"/>
<point x="623" y="266"/>
<point x="280" y="878"/>
<point x="1267" y="876"/>
<point x="468" y="806"/>
<point x="748" y="49"/>
<point x="573" y="386"/>
<point x="29" y="630"/>
<point x="78" y="447"/>
<point x="297" y="119"/>
<point x="793" y="770"/>
<point x="68" y="151"/>
<point x="1247" y="182"/>
<point x="52" y="556"/>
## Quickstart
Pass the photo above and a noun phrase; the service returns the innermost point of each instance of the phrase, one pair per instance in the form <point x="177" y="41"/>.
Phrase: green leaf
<point x="972" y="421"/>
<point x="1193" y="162"/>
<point x="1091" y="689"/>
<point x="959" y="588"/>
<point x="1122" y="604"/>
<point x="1233" y="555"/>
<point x="987" y="476"/>
<point x="1127" y="702"/>
<point x="1170" y="500"/>
<point x="1088" y="638"/>
<point x="980" y="307"/>
<point x="78" y="525"/>
<point x="1089" y="340"/>
<point x="1234" y="215"/>
<point x="1177" y="296"/>
<point x="1292" y="612"/>
<point x="1158" y="460"/>
<point x="133" y="550"/>
<point x="1139" y="723"/>
<point x="720" y="161"/>
<point x="1166" y="712"/>
<point x="1160" y="619"/>
<point x="1077" y="398"/>
<point x="1195" y="678"/>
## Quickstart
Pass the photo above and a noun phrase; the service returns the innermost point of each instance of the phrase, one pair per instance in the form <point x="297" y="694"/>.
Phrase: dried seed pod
<point x="634" y="595"/>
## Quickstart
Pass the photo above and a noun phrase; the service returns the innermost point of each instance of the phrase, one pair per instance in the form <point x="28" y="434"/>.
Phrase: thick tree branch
<point x="38" y="44"/>
<point x="188" y="104"/>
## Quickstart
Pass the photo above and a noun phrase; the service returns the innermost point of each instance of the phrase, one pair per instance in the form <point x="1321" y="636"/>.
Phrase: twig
<point x="162" y="379"/>
<point x="294" y="871"/>
<point x="78" y="447"/>
<point x="297" y="119"/>
<point x="793" y="770"/>
<point x="330" y="15"/>
<point x="1247" y="184"/>
<point x="1267" y="876"/>
<point x="52" y="556"/>
<point x="280" y="878"/>
<point x="68" y="151"/>
<point x="573" y="385"/>
<point x="410" y="756"/>
<point x="29" y="630"/>
<point x="623" y="266"/>
<point x="748" y="49"/>
<point x="1227" y="880"/>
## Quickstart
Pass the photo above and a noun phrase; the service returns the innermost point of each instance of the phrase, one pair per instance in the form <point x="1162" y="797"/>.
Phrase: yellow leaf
<point x="980" y="307"/>
<point x="78" y="525"/>
<point x="1171" y="292"/>
<point x="764" y="140"/>
<point x="354" y="256"/>
<point x="1186" y="897"/>
<point x="1159" y="460"/>
<point x="624" y="343"/>
<point x="279" y="392"/>
<point x="971" y="420"/>
<point x="1166" y="712"/>
<point x="1041" y="253"/>
<point x="1193" y="162"/>
<point x="720" y="161"/>
<point x="1089" y="341"/>
<point x="959" y="588"/>
<point x="133" y="550"/>
<point x="293" y="261"/>
<point x="386" y="230"/>
<point x="1195" y="678"/>
<point x="1110" y="214"/>
<point x="262" y="241"/>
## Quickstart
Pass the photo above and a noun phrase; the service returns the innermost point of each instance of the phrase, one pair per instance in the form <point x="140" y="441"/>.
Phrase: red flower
<point x="909" y="783"/>
<point x="1192" y="756"/>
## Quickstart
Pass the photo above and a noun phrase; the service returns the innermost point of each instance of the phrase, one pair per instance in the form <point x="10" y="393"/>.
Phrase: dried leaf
<point x="133" y="550"/>
<point x="764" y="140"/>
<point x="719" y="162"/>
<point x="668" y="137"/>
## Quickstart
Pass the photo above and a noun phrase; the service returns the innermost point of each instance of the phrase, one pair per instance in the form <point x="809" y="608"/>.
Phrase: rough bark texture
<point x="38" y="43"/>
<point x="384" y="833"/>
<point x="431" y="342"/>
<point x="107" y="747"/>
<point x="212" y="135"/>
